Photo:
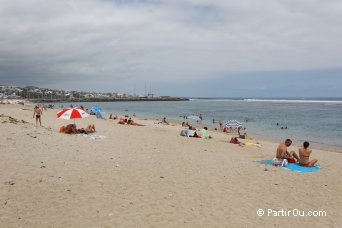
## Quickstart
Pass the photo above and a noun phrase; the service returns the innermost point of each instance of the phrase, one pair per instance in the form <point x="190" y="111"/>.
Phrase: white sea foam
<point x="294" y="101"/>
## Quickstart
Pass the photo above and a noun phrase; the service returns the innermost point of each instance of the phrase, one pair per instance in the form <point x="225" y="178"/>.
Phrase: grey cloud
<point x="112" y="44"/>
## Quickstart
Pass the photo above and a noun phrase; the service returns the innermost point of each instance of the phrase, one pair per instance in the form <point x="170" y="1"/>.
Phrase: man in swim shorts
<point x="282" y="152"/>
<point x="38" y="113"/>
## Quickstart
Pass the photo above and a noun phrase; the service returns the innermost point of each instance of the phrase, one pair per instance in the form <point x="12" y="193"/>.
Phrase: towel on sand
<point x="94" y="136"/>
<point x="294" y="166"/>
<point x="301" y="169"/>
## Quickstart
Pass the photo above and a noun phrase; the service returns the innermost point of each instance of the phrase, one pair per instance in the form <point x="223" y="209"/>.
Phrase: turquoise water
<point x="318" y="121"/>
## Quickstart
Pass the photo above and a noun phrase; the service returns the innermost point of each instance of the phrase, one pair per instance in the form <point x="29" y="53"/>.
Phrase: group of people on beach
<point x="128" y="121"/>
<point x="71" y="129"/>
<point x="196" y="133"/>
<point x="304" y="154"/>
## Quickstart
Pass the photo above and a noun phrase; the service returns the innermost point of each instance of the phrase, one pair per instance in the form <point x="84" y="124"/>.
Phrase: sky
<point x="194" y="48"/>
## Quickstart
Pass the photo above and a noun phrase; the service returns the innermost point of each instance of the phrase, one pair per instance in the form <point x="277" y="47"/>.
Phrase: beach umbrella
<point x="101" y="115"/>
<point x="193" y="117"/>
<point x="72" y="113"/>
<point x="96" y="109"/>
<point x="232" y="124"/>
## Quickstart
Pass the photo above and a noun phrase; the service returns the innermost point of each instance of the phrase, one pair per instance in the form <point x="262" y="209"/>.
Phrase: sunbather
<point x="131" y="122"/>
<point x="304" y="154"/>
<point x="282" y="152"/>
<point x="68" y="129"/>
<point x="71" y="129"/>
<point x="235" y="140"/>
<point x="185" y="124"/>
<point x="203" y="133"/>
<point x="89" y="129"/>
<point x="164" y="121"/>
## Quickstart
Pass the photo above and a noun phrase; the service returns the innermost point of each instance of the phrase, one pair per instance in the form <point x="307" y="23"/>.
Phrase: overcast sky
<point x="206" y="48"/>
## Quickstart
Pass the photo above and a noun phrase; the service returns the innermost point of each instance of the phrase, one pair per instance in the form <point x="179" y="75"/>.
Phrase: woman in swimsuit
<point x="304" y="155"/>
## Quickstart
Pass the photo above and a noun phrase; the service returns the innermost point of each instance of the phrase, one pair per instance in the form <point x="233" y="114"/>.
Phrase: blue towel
<point x="294" y="167"/>
<point x="301" y="169"/>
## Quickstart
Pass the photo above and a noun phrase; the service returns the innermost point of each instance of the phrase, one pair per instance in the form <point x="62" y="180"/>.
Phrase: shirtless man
<point x="282" y="152"/>
<point x="38" y="112"/>
<point x="304" y="154"/>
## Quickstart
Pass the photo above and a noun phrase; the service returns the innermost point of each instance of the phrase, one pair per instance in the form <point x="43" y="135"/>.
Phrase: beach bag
<point x="279" y="162"/>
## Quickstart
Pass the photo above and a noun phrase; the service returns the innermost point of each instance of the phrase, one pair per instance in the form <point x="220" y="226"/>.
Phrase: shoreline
<point x="251" y="135"/>
<point x="319" y="146"/>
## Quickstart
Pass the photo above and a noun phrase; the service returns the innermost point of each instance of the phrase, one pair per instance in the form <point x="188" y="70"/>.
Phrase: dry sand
<point x="151" y="177"/>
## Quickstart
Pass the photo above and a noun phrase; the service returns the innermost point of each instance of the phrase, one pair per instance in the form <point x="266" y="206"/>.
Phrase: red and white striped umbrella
<point x="72" y="113"/>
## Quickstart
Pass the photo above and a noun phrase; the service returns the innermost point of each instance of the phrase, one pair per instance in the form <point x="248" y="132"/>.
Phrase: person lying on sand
<point x="282" y="152"/>
<point x="89" y="129"/>
<point x="304" y="154"/>
<point x="131" y="122"/>
<point x="68" y="129"/>
<point x="71" y="129"/>
<point x="123" y="121"/>
<point x="111" y="117"/>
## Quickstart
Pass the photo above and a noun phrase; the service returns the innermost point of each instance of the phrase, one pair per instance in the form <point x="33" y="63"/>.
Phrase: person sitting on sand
<point x="282" y="152"/>
<point x="164" y="121"/>
<point x="203" y="133"/>
<point x="235" y="140"/>
<point x="38" y="113"/>
<point x="129" y="121"/>
<point x="185" y="124"/>
<point x="304" y="155"/>
<point x="111" y="117"/>
<point x="123" y="121"/>
<point x="190" y="132"/>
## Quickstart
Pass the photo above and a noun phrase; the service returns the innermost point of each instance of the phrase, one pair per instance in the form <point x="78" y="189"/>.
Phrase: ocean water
<point x="317" y="120"/>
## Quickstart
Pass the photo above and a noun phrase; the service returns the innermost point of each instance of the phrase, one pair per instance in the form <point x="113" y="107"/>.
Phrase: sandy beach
<point x="151" y="177"/>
